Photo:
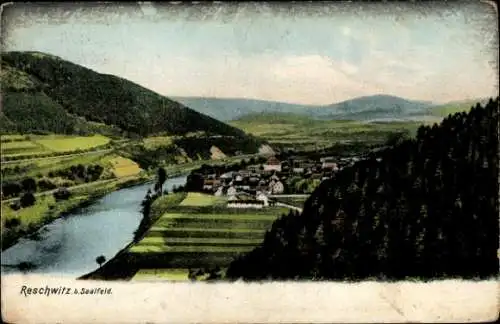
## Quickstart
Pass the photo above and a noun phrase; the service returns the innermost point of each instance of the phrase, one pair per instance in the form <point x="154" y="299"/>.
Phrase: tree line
<point x="79" y="173"/>
<point x="148" y="201"/>
<point x="427" y="209"/>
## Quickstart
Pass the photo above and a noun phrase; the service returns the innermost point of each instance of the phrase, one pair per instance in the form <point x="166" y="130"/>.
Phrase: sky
<point x="308" y="54"/>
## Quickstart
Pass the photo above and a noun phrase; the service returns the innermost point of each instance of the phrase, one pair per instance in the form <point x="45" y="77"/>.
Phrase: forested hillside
<point x="42" y="92"/>
<point x="427" y="208"/>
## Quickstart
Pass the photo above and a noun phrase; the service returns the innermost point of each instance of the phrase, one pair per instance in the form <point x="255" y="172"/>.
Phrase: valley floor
<point x="194" y="237"/>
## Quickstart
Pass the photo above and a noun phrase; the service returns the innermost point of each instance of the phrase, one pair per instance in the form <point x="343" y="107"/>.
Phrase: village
<point x="258" y="185"/>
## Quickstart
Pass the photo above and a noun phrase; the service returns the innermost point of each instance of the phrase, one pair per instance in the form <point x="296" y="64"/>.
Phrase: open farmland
<point x="12" y="137"/>
<point x="38" y="146"/>
<point x="58" y="143"/>
<point x="123" y="167"/>
<point x="199" y="233"/>
<point x="302" y="131"/>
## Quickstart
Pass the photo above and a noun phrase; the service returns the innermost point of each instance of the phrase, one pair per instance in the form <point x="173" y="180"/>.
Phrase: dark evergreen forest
<point x="424" y="209"/>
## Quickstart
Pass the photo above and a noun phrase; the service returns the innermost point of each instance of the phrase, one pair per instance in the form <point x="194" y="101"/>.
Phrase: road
<point x="289" y="196"/>
<point x="289" y="206"/>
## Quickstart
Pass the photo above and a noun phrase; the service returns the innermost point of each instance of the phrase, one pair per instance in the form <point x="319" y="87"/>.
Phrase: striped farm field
<point x="21" y="147"/>
<point x="38" y="146"/>
<point x="123" y="167"/>
<point x="193" y="236"/>
<point x="12" y="137"/>
<point x="219" y="223"/>
<point x="152" y="240"/>
<point x="181" y="232"/>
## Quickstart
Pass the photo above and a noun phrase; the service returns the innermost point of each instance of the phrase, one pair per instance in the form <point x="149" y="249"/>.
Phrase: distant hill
<point x="362" y="108"/>
<point x="373" y="107"/>
<point x="226" y="109"/>
<point x="44" y="93"/>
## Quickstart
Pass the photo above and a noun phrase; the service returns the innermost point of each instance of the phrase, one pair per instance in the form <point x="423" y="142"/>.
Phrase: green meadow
<point x="32" y="146"/>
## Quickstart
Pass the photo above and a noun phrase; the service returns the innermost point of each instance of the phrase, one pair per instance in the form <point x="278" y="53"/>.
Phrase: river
<point x="69" y="245"/>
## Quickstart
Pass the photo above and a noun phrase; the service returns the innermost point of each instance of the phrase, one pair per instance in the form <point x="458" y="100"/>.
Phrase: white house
<point x="219" y="192"/>
<point x="231" y="191"/>
<point x="227" y="175"/>
<point x="276" y="187"/>
<point x="262" y="197"/>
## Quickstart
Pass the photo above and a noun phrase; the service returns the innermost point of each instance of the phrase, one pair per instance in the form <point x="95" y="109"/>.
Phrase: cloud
<point x="316" y="60"/>
<point x="346" y="30"/>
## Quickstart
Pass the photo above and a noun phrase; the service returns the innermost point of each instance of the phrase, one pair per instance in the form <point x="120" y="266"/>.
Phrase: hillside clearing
<point x="72" y="143"/>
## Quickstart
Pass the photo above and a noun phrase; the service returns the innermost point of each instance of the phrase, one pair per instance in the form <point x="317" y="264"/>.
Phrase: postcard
<point x="253" y="162"/>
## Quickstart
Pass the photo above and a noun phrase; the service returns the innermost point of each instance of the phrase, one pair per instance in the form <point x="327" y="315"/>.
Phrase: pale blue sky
<point x="305" y="55"/>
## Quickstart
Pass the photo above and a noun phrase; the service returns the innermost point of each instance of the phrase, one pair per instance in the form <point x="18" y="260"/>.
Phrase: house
<point x="219" y="192"/>
<point x="227" y="175"/>
<point x="330" y="166"/>
<point x="244" y="173"/>
<point x="253" y="179"/>
<point x="209" y="184"/>
<point x="327" y="159"/>
<point x="272" y="164"/>
<point x="298" y="169"/>
<point x="276" y="187"/>
<point x="231" y="191"/>
<point x="262" y="197"/>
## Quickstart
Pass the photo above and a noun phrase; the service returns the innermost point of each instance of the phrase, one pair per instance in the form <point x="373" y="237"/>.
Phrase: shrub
<point x="27" y="199"/>
<point x="62" y="194"/>
<point x="12" y="222"/>
<point x="15" y="205"/>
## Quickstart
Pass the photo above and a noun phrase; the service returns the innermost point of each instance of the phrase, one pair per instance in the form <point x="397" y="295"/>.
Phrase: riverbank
<point x="190" y="236"/>
<point x="47" y="210"/>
